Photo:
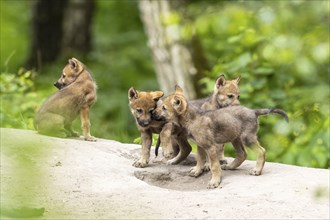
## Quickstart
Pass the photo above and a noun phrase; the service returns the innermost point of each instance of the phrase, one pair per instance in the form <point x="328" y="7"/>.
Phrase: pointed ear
<point x="221" y="81"/>
<point x="157" y="95"/>
<point x="179" y="104"/>
<point x="176" y="102"/>
<point x="76" y="65"/>
<point x="178" y="90"/>
<point x="73" y="63"/>
<point x="237" y="80"/>
<point x="132" y="94"/>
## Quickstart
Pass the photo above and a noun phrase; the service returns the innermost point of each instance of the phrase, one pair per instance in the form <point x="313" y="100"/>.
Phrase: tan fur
<point x="210" y="129"/>
<point x="76" y="94"/>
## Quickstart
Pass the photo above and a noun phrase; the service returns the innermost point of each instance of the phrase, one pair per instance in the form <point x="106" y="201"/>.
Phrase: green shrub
<point x="19" y="100"/>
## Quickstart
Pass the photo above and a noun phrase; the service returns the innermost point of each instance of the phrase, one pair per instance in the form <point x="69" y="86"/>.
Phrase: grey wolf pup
<point x="76" y="94"/>
<point x="225" y="93"/>
<point x="210" y="129"/>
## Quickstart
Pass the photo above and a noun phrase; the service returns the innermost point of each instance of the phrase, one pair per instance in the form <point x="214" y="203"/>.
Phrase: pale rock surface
<point x="76" y="179"/>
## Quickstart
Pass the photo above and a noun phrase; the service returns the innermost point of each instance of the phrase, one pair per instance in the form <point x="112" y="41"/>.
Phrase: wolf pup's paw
<point x="140" y="164"/>
<point x="172" y="161"/>
<point x="168" y="155"/>
<point x="227" y="167"/>
<point x="195" y="171"/>
<point x="206" y="167"/>
<point x="255" y="172"/>
<point x="90" y="138"/>
<point x="214" y="183"/>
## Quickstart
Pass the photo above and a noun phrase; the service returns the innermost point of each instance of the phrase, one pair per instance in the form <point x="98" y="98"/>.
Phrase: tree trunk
<point x="59" y="27"/>
<point x="77" y="27"/>
<point x="173" y="59"/>
<point x="47" y="19"/>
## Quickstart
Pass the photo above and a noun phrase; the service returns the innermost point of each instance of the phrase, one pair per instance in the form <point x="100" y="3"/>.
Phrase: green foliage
<point x="281" y="51"/>
<point x="18" y="99"/>
<point x="120" y="59"/>
<point x="14" y="33"/>
<point x="154" y="140"/>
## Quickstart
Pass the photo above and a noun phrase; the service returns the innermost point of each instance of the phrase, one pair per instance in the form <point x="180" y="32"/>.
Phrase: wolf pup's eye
<point x="230" y="96"/>
<point x="139" y="110"/>
<point x="151" y="110"/>
<point x="164" y="108"/>
<point x="238" y="97"/>
<point x="63" y="76"/>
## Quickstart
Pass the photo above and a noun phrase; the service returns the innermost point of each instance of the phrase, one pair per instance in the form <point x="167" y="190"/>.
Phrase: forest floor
<point x="74" y="179"/>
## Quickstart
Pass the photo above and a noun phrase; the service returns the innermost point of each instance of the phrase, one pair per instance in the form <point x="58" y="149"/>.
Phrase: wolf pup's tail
<point x="266" y="111"/>
<point x="157" y="146"/>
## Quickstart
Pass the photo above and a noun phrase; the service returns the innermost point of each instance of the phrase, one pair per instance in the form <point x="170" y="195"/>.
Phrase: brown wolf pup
<point x="209" y="129"/>
<point x="76" y="94"/>
<point x="225" y="93"/>
<point x="142" y="105"/>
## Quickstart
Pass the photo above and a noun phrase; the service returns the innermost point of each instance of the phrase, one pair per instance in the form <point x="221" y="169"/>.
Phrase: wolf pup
<point x="225" y="93"/>
<point x="142" y="105"/>
<point x="210" y="129"/>
<point x="76" y="94"/>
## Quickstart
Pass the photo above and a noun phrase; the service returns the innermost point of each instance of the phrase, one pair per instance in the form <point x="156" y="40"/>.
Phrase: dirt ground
<point x="73" y="179"/>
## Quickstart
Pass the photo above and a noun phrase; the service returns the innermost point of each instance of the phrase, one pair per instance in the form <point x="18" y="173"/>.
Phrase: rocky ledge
<point x="57" y="178"/>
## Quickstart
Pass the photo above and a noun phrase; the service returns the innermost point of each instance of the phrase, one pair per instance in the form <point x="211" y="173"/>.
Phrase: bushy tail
<point x="266" y="111"/>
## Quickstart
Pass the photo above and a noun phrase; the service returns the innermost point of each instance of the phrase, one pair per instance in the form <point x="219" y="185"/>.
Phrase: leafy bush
<point x="19" y="100"/>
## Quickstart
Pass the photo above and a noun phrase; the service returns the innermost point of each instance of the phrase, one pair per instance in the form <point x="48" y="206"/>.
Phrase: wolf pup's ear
<point x="76" y="65"/>
<point x="157" y="95"/>
<point x="178" y="90"/>
<point x="73" y="63"/>
<point x="221" y="81"/>
<point x="132" y="94"/>
<point x="178" y="104"/>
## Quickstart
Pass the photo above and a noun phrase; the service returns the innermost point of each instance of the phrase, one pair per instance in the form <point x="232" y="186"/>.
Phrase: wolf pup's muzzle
<point x="156" y="117"/>
<point x="58" y="85"/>
<point x="144" y="123"/>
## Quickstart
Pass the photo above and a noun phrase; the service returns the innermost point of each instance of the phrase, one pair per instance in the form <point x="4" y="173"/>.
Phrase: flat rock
<point x="76" y="179"/>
